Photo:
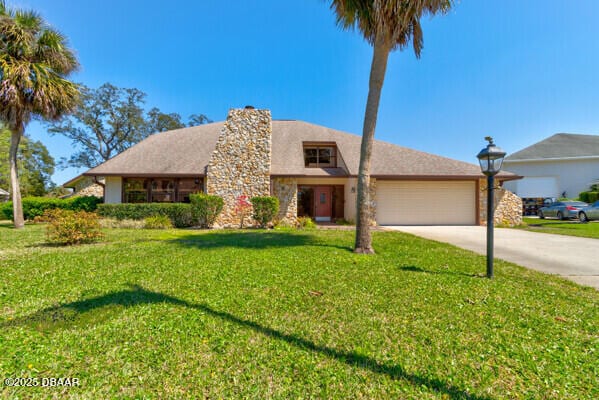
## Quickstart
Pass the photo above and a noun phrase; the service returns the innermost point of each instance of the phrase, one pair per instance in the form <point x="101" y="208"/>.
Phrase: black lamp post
<point x="491" y="160"/>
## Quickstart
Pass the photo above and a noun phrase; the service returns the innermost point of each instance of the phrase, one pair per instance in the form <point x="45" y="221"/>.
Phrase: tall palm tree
<point x="34" y="63"/>
<point x="387" y="25"/>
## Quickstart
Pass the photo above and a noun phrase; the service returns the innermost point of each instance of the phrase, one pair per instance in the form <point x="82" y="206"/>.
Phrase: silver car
<point x="562" y="209"/>
<point x="589" y="213"/>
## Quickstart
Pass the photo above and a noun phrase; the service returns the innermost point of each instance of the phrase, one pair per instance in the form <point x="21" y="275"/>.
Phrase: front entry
<point x="323" y="204"/>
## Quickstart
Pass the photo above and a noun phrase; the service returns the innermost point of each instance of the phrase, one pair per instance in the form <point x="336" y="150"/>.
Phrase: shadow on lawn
<point x="137" y="295"/>
<point x="556" y="223"/>
<point x="80" y="312"/>
<point x="413" y="268"/>
<point x="257" y="239"/>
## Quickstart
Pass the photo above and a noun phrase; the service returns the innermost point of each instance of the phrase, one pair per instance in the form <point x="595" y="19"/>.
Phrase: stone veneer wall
<point x="88" y="187"/>
<point x="240" y="164"/>
<point x="285" y="189"/>
<point x="372" y="190"/>
<point x="508" y="206"/>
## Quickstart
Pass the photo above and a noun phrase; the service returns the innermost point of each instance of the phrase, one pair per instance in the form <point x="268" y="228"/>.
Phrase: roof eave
<point x="524" y="160"/>
<point x="146" y="175"/>
<point x="71" y="183"/>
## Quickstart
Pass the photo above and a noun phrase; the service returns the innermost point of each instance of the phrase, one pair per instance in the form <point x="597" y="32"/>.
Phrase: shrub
<point x="122" y="223"/>
<point x="306" y="223"/>
<point x="206" y="208"/>
<point x="179" y="213"/>
<point x="6" y="210"/>
<point x="242" y="208"/>
<point x="70" y="227"/>
<point x="83" y="203"/>
<point x="158" y="222"/>
<point x="265" y="209"/>
<point x="284" y="224"/>
<point x="589" y="197"/>
<point x="35" y="206"/>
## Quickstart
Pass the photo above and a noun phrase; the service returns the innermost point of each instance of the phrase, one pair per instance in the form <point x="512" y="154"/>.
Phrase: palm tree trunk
<point x="377" y="77"/>
<point x="17" y="206"/>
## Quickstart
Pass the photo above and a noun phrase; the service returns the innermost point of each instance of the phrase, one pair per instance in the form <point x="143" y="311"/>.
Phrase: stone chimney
<point x="240" y="164"/>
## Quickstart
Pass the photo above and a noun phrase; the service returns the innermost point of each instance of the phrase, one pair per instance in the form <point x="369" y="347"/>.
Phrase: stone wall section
<point x="372" y="190"/>
<point x="240" y="164"/>
<point x="508" y="206"/>
<point x="285" y="189"/>
<point x="88" y="187"/>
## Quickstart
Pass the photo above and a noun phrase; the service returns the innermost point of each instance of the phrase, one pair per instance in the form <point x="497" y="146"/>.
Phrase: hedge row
<point x="35" y="206"/>
<point x="589" y="197"/>
<point x="179" y="213"/>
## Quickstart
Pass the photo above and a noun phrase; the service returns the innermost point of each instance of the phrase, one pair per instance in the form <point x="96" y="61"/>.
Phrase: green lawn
<point x="571" y="228"/>
<point x="257" y="314"/>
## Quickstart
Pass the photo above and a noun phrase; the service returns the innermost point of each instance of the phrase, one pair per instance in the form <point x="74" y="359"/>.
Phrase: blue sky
<point x="517" y="70"/>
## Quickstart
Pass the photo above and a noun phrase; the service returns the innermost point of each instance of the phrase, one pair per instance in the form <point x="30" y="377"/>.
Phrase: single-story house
<point x="4" y="195"/>
<point x="311" y="169"/>
<point x="563" y="165"/>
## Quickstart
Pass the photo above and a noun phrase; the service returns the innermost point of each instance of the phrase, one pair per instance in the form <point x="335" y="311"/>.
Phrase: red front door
<point x="322" y="203"/>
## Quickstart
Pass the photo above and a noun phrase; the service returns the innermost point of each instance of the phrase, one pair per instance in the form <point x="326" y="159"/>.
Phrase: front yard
<point x="571" y="228"/>
<point x="287" y="314"/>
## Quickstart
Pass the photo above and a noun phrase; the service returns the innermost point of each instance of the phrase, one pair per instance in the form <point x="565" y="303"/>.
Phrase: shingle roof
<point x="560" y="145"/>
<point x="187" y="151"/>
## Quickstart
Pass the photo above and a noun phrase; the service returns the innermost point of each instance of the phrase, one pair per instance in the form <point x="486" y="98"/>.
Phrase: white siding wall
<point x="113" y="190"/>
<point x="571" y="176"/>
<point x="350" y="199"/>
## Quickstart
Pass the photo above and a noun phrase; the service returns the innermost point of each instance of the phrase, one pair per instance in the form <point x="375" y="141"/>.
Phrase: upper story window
<point x="320" y="155"/>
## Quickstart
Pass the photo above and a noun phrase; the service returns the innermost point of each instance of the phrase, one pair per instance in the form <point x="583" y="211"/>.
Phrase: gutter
<point x="551" y="159"/>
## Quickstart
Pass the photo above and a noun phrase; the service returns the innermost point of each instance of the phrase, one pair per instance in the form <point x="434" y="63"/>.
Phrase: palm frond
<point x="52" y="49"/>
<point x="34" y="62"/>
<point x="28" y="20"/>
<point x="397" y="22"/>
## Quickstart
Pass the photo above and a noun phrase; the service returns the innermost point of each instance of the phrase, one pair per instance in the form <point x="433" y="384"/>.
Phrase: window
<point x="163" y="190"/>
<point x="187" y="187"/>
<point x="317" y="156"/>
<point x="160" y="190"/>
<point x="136" y="190"/>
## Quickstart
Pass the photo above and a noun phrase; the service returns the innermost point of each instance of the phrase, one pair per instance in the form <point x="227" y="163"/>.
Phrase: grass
<point x="287" y="314"/>
<point x="570" y="228"/>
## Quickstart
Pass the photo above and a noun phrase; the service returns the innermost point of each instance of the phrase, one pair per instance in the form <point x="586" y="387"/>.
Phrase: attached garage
<point x="426" y="202"/>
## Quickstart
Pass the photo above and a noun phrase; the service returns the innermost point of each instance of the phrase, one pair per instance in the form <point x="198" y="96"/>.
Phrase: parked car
<point x="589" y="213"/>
<point x="562" y="209"/>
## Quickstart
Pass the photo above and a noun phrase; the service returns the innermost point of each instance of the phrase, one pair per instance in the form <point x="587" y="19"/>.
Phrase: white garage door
<point x="426" y="202"/>
<point x="537" y="187"/>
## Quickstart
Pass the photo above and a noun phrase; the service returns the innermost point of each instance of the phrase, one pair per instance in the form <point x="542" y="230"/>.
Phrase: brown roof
<point x="187" y="151"/>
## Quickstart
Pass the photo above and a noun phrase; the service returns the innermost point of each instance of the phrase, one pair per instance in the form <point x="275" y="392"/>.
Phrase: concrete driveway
<point x="571" y="257"/>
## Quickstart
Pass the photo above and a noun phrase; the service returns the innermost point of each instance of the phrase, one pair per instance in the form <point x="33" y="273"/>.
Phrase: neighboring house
<point x="311" y="169"/>
<point x="563" y="165"/>
<point x="4" y="195"/>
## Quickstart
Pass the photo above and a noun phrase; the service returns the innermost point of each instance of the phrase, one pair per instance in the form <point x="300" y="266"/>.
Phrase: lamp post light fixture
<point x="491" y="160"/>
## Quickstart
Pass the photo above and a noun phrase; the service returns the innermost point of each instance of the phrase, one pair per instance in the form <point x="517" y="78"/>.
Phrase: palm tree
<point x="387" y="25"/>
<point x="34" y="63"/>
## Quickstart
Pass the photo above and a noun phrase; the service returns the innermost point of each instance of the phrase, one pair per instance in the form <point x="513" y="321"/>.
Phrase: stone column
<point x="508" y="206"/>
<point x="285" y="189"/>
<point x="240" y="164"/>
